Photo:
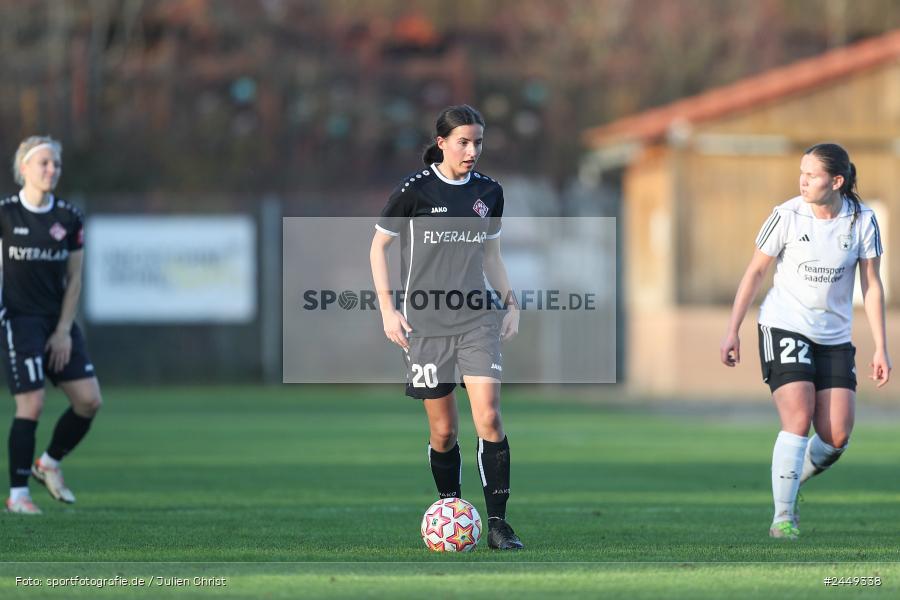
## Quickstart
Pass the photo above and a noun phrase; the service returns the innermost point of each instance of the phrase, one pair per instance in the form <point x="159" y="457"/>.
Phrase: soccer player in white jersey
<point x="447" y="217"/>
<point x="816" y="241"/>
<point x="43" y="241"/>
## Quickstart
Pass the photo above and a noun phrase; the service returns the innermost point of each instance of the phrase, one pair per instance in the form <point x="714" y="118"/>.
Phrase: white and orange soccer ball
<point x="451" y="525"/>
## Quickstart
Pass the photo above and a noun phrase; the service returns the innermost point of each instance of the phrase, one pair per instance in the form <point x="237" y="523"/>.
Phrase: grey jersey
<point x="443" y="226"/>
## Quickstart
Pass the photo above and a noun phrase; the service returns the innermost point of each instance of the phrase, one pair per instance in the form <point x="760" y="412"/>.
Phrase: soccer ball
<point x="451" y="525"/>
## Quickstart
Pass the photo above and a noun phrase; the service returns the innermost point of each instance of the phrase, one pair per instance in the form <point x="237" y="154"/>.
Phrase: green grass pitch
<point x="300" y="491"/>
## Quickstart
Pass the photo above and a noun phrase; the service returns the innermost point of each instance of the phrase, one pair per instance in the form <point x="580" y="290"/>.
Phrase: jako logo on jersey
<point x="438" y="209"/>
<point x="481" y="208"/>
<point x="58" y="232"/>
<point x="20" y="230"/>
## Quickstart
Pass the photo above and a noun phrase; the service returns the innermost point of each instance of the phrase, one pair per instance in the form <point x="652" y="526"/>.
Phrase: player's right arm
<point x="398" y="211"/>
<point x="730" y="350"/>
<point x="395" y="325"/>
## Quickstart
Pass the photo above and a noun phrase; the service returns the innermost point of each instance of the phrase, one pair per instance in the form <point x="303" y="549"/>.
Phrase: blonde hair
<point x="29" y="144"/>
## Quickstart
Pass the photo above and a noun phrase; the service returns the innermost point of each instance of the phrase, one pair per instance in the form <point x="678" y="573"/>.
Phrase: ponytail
<point x="432" y="154"/>
<point x="849" y="190"/>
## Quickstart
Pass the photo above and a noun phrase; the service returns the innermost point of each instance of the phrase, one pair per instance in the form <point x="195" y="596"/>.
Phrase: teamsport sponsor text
<point x="814" y="274"/>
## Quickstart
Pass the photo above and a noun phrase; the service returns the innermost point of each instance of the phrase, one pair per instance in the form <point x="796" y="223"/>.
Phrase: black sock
<point x="446" y="467"/>
<point x="21" y="451"/>
<point x="69" y="430"/>
<point x="493" y="463"/>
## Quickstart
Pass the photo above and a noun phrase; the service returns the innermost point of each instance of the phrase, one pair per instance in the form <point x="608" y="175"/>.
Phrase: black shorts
<point x="787" y="356"/>
<point x="24" y="339"/>
<point x="432" y="362"/>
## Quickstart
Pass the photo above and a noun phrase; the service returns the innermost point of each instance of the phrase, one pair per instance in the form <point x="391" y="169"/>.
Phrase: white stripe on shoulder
<point x="386" y="232"/>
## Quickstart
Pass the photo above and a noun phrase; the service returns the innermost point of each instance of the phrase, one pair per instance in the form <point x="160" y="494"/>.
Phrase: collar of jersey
<point x="30" y="208"/>
<point x="846" y="211"/>
<point x="450" y="181"/>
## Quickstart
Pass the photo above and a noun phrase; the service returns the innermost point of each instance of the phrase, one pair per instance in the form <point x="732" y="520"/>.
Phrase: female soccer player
<point x="447" y="217"/>
<point x="816" y="240"/>
<point x="42" y="255"/>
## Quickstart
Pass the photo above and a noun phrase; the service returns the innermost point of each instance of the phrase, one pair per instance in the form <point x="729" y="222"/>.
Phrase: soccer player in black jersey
<point x="447" y="217"/>
<point x="42" y="240"/>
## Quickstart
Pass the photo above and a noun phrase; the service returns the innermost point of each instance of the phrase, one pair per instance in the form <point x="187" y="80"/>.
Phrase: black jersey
<point x="36" y="247"/>
<point x="443" y="225"/>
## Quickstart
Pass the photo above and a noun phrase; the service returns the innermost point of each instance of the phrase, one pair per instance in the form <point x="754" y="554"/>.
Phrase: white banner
<point x="141" y="269"/>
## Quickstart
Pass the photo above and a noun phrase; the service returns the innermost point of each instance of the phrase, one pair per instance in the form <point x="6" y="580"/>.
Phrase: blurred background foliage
<point x="224" y="97"/>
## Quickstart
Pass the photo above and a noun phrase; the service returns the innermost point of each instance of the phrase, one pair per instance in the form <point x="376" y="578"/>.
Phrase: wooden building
<point x="701" y="175"/>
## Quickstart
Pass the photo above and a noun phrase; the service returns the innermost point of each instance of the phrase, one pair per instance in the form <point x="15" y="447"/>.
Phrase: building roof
<point x="775" y="84"/>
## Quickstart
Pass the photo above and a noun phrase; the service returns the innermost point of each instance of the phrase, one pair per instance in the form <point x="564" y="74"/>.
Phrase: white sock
<point x="818" y="457"/>
<point x="18" y="493"/>
<point x="787" y="462"/>
<point x="48" y="461"/>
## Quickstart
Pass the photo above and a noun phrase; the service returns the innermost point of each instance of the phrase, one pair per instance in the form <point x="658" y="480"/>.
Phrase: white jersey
<point x="813" y="290"/>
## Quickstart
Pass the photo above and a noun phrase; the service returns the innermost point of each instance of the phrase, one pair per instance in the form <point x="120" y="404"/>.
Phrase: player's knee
<point x="799" y="423"/>
<point x="444" y="435"/>
<point x="32" y="412"/>
<point x="489" y="420"/>
<point x="839" y="439"/>
<point x="95" y="403"/>
<point x="30" y="405"/>
<point x="88" y="406"/>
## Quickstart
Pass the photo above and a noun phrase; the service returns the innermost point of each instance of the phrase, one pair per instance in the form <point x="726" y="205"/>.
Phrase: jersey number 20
<point x="427" y="372"/>
<point x="789" y="345"/>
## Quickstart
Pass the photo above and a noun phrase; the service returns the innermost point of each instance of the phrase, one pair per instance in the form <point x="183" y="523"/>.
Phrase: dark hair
<point x="449" y="119"/>
<point x="837" y="162"/>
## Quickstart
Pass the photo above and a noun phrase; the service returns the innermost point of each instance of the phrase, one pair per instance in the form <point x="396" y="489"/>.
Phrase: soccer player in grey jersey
<point x="816" y="241"/>
<point x="43" y="237"/>
<point x="448" y="219"/>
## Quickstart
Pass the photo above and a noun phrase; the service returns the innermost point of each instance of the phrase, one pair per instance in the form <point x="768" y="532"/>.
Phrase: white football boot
<point x="22" y="506"/>
<point x="52" y="478"/>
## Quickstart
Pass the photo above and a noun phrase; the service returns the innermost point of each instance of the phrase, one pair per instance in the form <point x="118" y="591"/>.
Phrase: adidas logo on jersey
<point x="805" y="238"/>
<point x="438" y="209"/>
<point x="496" y="367"/>
<point x="20" y="230"/>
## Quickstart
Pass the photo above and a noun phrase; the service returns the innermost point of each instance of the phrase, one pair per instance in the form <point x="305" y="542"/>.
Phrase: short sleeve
<point x="495" y="226"/>
<point x="76" y="237"/>
<point x="771" y="238"/>
<point x="397" y="212"/>
<point x="870" y="238"/>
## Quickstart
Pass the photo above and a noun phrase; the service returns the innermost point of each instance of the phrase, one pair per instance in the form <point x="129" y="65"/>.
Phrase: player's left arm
<point x="60" y="343"/>
<point x="873" y="300"/>
<point x="495" y="271"/>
